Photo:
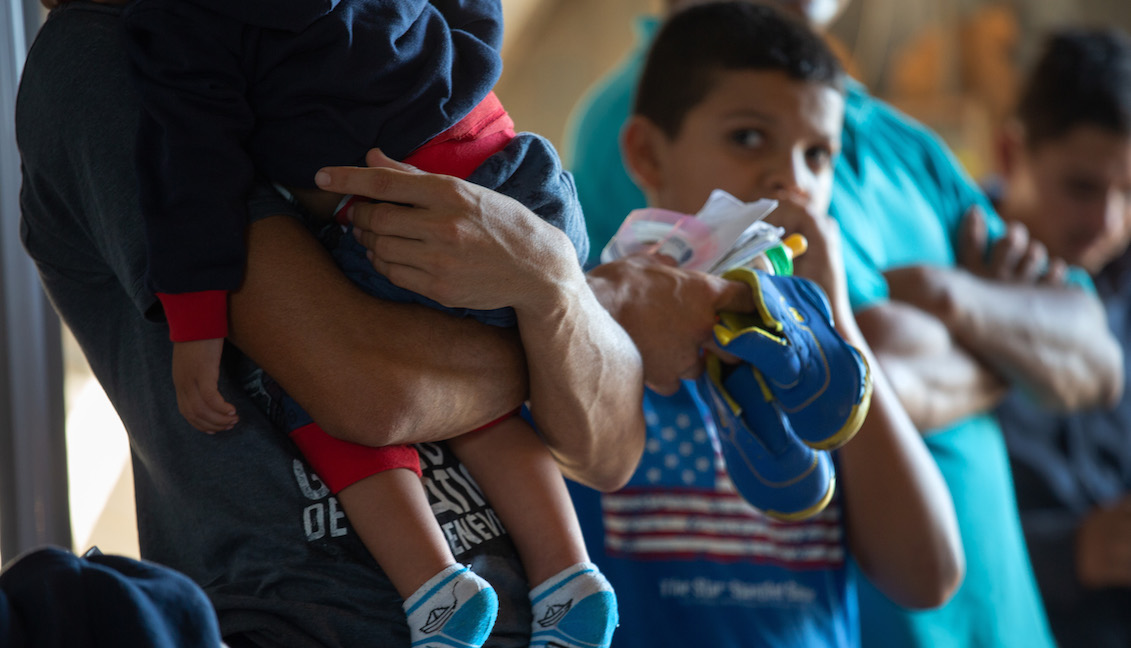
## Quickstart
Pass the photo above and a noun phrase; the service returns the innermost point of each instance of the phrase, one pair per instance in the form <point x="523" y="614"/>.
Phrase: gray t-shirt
<point x="240" y="512"/>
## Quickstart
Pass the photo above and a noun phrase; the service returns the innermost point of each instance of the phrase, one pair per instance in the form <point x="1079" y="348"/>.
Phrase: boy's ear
<point x="642" y="146"/>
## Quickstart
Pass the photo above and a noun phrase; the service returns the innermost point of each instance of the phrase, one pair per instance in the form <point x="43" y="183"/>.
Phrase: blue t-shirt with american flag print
<point x="695" y="565"/>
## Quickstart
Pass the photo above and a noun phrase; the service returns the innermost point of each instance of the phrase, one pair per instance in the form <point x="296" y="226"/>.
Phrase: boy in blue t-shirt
<point x="739" y="97"/>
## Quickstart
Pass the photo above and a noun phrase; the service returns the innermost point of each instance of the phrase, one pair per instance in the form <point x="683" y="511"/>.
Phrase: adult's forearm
<point x="586" y="384"/>
<point x="1052" y="340"/>
<point x="936" y="381"/>
<point x="367" y="371"/>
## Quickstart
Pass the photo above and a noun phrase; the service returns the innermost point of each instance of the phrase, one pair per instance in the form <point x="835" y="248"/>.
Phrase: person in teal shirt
<point x="954" y="320"/>
<point x="592" y="148"/>
<point x="949" y="335"/>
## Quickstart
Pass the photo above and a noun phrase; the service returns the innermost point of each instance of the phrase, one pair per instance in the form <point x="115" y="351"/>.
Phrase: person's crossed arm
<point x="1021" y="324"/>
<point x="1048" y="336"/>
<point x="955" y="339"/>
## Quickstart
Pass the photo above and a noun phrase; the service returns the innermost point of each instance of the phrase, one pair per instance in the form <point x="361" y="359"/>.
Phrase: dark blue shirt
<point x="231" y="88"/>
<point x="1063" y="468"/>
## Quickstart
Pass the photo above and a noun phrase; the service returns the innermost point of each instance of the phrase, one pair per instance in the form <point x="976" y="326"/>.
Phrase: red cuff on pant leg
<point x="341" y="463"/>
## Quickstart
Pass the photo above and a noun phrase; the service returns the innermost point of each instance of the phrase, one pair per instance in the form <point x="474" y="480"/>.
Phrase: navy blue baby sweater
<point x="234" y="88"/>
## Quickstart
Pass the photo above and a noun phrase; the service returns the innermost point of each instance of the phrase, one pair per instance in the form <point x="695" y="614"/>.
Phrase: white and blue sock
<point x="454" y="609"/>
<point x="576" y="608"/>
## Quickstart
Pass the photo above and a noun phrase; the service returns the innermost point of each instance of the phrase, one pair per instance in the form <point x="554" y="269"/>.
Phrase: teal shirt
<point x="592" y="147"/>
<point x="899" y="198"/>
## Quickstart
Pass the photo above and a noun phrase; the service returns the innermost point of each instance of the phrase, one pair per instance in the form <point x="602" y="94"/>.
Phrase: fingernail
<point x="321" y="178"/>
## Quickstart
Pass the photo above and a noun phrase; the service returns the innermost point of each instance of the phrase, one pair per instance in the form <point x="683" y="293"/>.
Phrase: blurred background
<point x="953" y="64"/>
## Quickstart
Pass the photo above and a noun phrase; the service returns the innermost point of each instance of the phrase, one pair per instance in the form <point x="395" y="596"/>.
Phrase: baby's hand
<point x="196" y="374"/>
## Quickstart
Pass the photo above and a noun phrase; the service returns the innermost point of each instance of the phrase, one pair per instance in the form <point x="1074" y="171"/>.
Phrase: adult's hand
<point x="452" y="241"/>
<point x="669" y="312"/>
<point x="1015" y="257"/>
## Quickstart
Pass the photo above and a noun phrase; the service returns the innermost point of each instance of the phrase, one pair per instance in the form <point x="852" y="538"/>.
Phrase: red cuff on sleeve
<point x="461" y="149"/>
<point x="502" y="418"/>
<point x="341" y="463"/>
<point x="199" y="315"/>
<point x="458" y="151"/>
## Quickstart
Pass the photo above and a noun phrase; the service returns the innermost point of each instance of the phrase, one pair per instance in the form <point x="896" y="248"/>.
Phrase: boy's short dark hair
<point x="696" y="43"/>
<point x="1083" y="77"/>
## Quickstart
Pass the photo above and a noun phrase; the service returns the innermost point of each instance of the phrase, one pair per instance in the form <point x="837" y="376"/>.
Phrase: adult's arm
<point x="900" y="519"/>
<point x="937" y="381"/>
<point x="372" y="372"/>
<point x="1078" y="362"/>
<point x="469" y="247"/>
<point x="953" y="338"/>
<point x="1051" y="340"/>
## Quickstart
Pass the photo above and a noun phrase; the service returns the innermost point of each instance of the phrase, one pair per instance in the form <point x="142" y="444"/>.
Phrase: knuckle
<point x="460" y="191"/>
<point x="448" y="232"/>
<point x="378" y="244"/>
<point x="362" y="217"/>
<point x="380" y="181"/>
<point x="445" y="266"/>
<point x="446" y="188"/>
<point x="369" y="240"/>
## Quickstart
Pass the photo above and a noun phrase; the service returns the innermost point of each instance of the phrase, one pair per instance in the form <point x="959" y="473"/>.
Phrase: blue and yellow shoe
<point x="770" y="467"/>
<point x="819" y="380"/>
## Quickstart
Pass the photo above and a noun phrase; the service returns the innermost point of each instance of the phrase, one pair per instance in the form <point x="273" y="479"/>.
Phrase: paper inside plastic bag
<point x="724" y="234"/>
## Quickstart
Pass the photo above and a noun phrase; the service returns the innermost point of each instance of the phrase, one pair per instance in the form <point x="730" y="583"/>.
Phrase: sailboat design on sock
<point x="554" y="613"/>
<point x="454" y="609"/>
<point x="438" y="616"/>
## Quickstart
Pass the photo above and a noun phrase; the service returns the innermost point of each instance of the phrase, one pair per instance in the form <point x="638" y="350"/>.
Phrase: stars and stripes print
<point x="681" y="505"/>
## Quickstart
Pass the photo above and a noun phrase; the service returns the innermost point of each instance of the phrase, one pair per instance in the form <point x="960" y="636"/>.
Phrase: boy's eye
<point x="1082" y="189"/>
<point x="819" y="155"/>
<point x="748" y="138"/>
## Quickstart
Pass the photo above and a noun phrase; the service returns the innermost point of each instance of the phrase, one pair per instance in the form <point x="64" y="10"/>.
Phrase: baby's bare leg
<point x="390" y="513"/>
<point x="525" y="487"/>
<point x="443" y="600"/>
<point x="573" y="605"/>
